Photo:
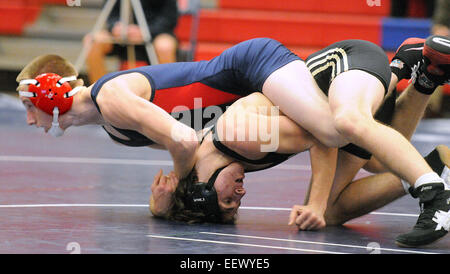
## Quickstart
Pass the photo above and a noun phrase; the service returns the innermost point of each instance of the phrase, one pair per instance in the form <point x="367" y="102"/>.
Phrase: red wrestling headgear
<point x="49" y="90"/>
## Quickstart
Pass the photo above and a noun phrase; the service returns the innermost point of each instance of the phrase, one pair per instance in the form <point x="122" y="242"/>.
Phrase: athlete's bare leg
<point x="351" y="200"/>
<point x="347" y="117"/>
<point x="294" y="90"/>
<point x="370" y="193"/>
<point x="409" y="110"/>
<point x="363" y="196"/>
<point x="353" y="110"/>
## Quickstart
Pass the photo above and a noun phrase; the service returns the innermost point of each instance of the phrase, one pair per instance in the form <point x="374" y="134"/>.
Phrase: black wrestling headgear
<point x="202" y="197"/>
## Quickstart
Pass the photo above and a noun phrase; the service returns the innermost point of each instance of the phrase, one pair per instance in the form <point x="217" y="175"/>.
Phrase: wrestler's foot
<point x="407" y="55"/>
<point x="434" y="69"/>
<point x="434" y="220"/>
<point x="439" y="161"/>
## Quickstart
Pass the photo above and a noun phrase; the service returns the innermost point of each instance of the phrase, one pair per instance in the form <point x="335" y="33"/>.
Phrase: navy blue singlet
<point x="237" y="72"/>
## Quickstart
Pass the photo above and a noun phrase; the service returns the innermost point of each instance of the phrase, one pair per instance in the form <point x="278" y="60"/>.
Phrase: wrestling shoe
<point x="434" y="69"/>
<point x="434" y="219"/>
<point x="407" y="55"/>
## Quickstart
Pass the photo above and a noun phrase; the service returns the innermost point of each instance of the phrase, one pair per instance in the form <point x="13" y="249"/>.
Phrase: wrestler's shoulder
<point x="135" y="83"/>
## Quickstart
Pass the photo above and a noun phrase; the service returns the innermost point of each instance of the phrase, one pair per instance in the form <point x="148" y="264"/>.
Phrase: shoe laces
<point x="442" y="219"/>
<point x="414" y="73"/>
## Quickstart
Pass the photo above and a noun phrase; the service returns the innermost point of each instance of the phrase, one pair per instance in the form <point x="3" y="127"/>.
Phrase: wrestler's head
<point x="46" y="88"/>
<point x="217" y="200"/>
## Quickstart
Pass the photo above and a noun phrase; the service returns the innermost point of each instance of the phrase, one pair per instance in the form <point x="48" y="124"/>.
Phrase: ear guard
<point x="52" y="94"/>
<point x="49" y="90"/>
<point x="202" y="197"/>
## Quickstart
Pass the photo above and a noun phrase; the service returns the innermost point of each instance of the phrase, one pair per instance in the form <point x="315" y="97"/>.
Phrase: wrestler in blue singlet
<point x="237" y="72"/>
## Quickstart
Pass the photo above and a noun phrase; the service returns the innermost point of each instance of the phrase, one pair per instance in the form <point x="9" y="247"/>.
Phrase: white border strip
<point x="289" y="209"/>
<point x="395" y="214"/>
<point x="314" y="243"/>
<point x="146" y="205"/>
<point x="242" y="244"/>
<point x="429" y="138"/>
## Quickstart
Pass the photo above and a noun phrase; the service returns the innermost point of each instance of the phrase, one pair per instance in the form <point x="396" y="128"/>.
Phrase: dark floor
<point x="82" y="193"/>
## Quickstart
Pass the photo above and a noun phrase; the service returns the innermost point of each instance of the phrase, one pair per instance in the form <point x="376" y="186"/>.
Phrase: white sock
<point x="427" y="178"/>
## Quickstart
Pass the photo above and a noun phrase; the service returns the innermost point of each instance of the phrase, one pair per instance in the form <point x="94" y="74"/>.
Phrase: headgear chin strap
<point x="202" y="197"/>
<point x="52" y="94"/>
<point x="55" y="130"/>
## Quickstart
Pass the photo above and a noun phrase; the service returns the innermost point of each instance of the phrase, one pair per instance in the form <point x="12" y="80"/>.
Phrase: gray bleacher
<point x="58" y="30"/>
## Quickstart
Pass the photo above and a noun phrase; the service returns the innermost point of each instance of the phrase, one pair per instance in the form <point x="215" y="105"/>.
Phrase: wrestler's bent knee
<point x="352" y="125"/>
<point x="332" y="218"/>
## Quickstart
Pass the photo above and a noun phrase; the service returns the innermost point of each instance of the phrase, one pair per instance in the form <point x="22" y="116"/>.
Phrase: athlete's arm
<point x="253" y="123"/>
<point x="123" y="108"/>
<point x="323" y="167"/>
<point x="241" y="118"/>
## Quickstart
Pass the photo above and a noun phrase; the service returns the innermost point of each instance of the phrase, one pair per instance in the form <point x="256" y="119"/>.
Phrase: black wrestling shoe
<point x="434" y="219"/>
<point x="434" y="69"/>
<point x="407" y="55"/>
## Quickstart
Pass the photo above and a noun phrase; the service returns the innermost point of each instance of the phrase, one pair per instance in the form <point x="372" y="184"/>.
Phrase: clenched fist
<point x="307" y="218"/>
<point x="163" y="189"/>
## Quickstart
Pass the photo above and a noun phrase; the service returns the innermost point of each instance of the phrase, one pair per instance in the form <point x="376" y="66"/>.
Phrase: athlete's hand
<point x="135" y="34"/>
<point x="116" y="31"/>
<point x="307" y="218"/>
<point x="163" y="189"/>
